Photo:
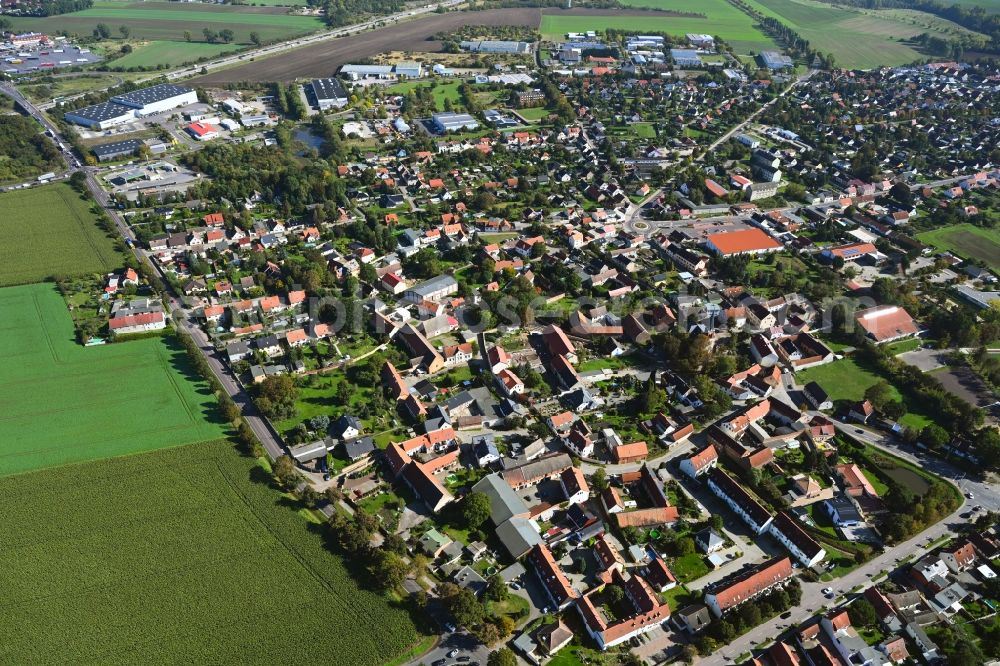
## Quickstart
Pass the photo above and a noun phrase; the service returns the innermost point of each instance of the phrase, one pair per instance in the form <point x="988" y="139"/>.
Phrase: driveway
<point x="465" y="643"/>
<point x="925" y="359"/>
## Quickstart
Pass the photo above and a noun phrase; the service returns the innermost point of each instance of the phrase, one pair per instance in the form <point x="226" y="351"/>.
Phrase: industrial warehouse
<point x="330" y="94"/>
<point x="123" y="108"/>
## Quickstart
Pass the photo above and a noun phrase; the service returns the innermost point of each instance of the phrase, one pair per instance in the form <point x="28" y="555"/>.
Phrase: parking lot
<point x="23" y="59"/>
<point x="161" y="176"/>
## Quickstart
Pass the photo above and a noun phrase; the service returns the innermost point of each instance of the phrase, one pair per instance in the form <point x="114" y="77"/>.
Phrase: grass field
<point x="50" y="230"/>
<point x="155" y="53"/>
<point x="64" y="403"/>
<point x="179" y="556"/>
<point x="534" y="114"/>
<point x="440" y="93"/>
<point x="169" y="21"/>
<point x="856" y="38"/>
<point x="722" y="19"/>
<point x="65" y="86"/>
<point x="846" y="380"/>
<point x="967" y="241"/>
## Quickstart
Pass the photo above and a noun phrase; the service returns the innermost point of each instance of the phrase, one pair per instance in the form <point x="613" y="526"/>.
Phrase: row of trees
<point x="722" y="631"/>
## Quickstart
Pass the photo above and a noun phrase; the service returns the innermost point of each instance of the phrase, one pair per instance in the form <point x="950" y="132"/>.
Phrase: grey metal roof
<point x="101" y="112"/>
<point x="504" y="502"/>
<point x="518" y="536"/>
<point x="326" y="89"/>
<point x="116" y="148"/>
<point x="153" y="94"/>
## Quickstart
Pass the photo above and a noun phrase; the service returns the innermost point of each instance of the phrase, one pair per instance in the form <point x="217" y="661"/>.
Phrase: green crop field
<point x="64" y="403"/>
<point x="49" y="230"/>
<point x="722" y="20"/>
<point x="186" y="555"/>
<point x="169" y="21"/>
<point x="172" y="54"/>
<point x="856" y="38"/>
<point x="967" y="241"/>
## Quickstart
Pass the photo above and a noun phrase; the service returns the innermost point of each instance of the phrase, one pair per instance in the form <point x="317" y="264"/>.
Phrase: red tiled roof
<point x="751" y="583"/>
<point x="557" y="342"/>
<point x="631" y="451"/>
<point x="551" y="575"/>
<point x="886" y="322"/>
<point x="704" y="457"/>
<point x="746" y="240"/>
<point x="128" y="321"/>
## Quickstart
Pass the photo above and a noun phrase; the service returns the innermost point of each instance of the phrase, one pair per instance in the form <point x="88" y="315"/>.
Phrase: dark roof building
<point x="113" y="151"/>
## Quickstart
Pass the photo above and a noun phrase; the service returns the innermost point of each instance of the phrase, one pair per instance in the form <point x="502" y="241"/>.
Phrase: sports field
<point x="170" y="20"/>
<point x="967" y="241"/>
<point x="64" y="403"/>
<point x="155" y="53"/>
<point x="178" y="556"/>
<point x="47" y="231"/>
<point x="722" y="20"/>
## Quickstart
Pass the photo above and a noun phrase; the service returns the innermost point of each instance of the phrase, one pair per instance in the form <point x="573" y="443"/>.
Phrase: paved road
<point x="281" y="47"/>
<point x="984" y="493"/>
<point x="749" y="119"/>
<point x="261" y="427"/>
<point x="464" y="643"/>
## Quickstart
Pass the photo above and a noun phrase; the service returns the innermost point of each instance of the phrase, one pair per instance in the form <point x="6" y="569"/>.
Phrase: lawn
<point x="50" y="230"/>
<point x="967" y="241"/>
<point x="440" y="92"/>
<point x="534" y="114"/>
<point x="184" y="555"/>
<point x="903" y="346"/>
<point x="846" y="380"/>
<point x="722" y="19"/>
<point x="689" y="567"/>
<point x="64" y="403"/>
<point x="318" y="395"/>
<point x="171" y="54"/>
<point x="169" y="21"/>
<point x="72" y="85"/>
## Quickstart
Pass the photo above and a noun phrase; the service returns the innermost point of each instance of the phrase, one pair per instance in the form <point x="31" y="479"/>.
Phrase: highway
<point x="261" y="427"/>
<point x="281" y="47"/>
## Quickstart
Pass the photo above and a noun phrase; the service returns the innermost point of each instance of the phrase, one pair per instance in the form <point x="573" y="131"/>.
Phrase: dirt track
<point x="323" y="59"/>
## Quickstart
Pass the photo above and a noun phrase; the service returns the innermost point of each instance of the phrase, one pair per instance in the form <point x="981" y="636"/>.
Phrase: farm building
<point x="330" y="94"/>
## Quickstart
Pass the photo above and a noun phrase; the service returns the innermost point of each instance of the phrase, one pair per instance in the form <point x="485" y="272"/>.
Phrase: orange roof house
<point x="732" y="592"/>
